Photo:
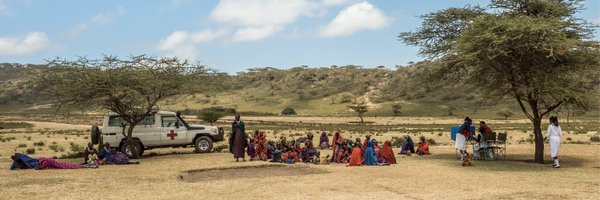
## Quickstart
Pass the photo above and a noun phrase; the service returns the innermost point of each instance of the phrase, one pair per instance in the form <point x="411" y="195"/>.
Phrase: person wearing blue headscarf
<point x="370" y="158"/>
<point x="408" y="145"/>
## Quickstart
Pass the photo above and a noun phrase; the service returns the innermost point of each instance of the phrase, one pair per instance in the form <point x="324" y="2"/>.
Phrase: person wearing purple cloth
<point x="324" y="140"/>
<point x="251" y="151"/>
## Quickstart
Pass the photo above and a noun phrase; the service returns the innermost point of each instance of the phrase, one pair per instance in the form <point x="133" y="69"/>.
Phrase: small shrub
<point x="569" y="139"/>
<point x="440" y="134"/>
<point x="28" y="138"/>
<point x="75" y="147"/>
<point x="61" y="149"/>
<point x="30" y="151"/>
<point x="220" y="148"/>
<point x="72" y="155"/>
<point x="53" y="142"/>
<point x="595" y="138"/>
<point x="40" y="143"/>
<point x="53" y="147"/>
<point x="22" y="145"/>
<point x="288" y="111"/>
<point x="397" y="141"/>
<point x="86" y="137"/>
<point x="431" y="141"/>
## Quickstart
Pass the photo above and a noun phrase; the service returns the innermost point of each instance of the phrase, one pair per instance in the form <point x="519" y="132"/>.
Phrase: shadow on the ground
<point x="516" y="162"/>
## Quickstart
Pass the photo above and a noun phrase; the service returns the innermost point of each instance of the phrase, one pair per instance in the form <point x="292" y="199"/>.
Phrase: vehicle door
<point x="173" y="132"/>
<point x="148" y="131"/>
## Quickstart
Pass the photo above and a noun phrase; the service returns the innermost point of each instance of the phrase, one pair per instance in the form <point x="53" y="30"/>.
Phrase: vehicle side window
<point x="169" y="121"/>
<point x="117" y="121"/>
<point x="148" y="121"/>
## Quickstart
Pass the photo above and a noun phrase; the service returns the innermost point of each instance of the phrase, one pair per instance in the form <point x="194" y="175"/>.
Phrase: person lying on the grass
<point x="356" y="158"/>
<point x="112" y="157"/>
<point x="324" y="141"/>
<point x="387" y="153"/>
<point x="408" y="145"/>
<point x="21" y="161"/>
<point x="423" y="148"/>
<point x="308" y="152"/>
<point x="87" y="151"/>
<point x="369" y="155"/>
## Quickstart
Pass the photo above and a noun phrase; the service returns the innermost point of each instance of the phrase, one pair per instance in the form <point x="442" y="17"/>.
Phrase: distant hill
<point x="309" y="91"/>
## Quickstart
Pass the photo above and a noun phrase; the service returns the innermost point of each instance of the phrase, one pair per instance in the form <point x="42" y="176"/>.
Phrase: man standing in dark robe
<point x="238" y="139"/>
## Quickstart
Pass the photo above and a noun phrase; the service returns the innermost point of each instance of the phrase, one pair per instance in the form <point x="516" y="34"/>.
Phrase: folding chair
<point x="489" y="139"/>
<point x="501" y="145"/>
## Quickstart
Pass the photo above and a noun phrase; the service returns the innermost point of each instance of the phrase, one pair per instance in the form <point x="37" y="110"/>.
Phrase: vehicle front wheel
<point x="126" y="149"/>
<point x="203" y="144"/>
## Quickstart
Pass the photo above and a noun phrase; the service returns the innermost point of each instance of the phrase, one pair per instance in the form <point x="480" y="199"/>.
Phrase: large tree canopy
<point x="132" y="88"/>
<point x="535" y="52"/>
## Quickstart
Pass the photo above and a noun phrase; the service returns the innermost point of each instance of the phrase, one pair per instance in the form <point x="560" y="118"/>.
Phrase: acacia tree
<point x="360" y="107"/>
<point x="535" y="52"/>
<point x="132" y="88"/>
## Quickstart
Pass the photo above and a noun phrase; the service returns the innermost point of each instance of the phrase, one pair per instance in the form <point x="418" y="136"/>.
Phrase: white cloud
<point x="252" y="33"/>
<point x="335" y="2"/>
<point x="260" y="18"/>
<point x="3" y="8"/>
<point x="23" y="45"/>
<point x="354" y="18"/>
<point x="182" y="43"/>
<point x="100" y="18"/>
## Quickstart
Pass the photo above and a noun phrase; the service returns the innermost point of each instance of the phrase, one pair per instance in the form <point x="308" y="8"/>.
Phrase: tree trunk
<point x="539" y="140"/>
<point x="131" y="142"/>
<point x="361" y="118"/>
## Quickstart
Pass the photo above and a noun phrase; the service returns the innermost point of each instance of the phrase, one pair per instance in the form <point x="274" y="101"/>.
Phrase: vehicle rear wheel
<point x="126" y="148"/>
<point x="95" y="135"/>
<point x="203" y="144"/>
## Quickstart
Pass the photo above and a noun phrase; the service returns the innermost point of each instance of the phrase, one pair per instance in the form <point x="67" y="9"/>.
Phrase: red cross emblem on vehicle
<point x="172" y="134"/>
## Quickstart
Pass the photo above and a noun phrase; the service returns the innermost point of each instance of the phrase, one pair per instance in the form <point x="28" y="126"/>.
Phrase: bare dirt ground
<point x="177" y="173"/>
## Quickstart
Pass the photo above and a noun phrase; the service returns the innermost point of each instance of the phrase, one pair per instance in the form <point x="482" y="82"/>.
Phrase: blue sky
<point x="229" y="35"/>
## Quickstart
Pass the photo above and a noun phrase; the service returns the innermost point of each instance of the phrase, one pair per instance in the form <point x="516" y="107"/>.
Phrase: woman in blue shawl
<point x="370" y="158"/>
<point x="408" y="145"/>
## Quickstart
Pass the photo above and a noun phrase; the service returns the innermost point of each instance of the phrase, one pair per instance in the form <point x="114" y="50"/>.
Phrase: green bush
<point x="22" y="145"/>
<point x="288" y="111"/>
<point x="72" y="155"/>
<point x="53" y="147"/>
<point x="397" y="141"/>
<point x="40" y="143"/>
<point x="595" y="138"/>
<point x="210" y="116"/>
<point x="28" y="138"/>
<point x="75" y="147"/>
<point x="431" y="141"/>
<point x="30" y="151"/>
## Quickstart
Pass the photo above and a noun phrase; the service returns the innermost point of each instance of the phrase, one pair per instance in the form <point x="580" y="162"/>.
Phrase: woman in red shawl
<point x="356" y="158"/>
<point x="260" y="143"/>
<point x="387" y="153"/>
<point x="423" y="148"/>
<point x="337" y="137"/>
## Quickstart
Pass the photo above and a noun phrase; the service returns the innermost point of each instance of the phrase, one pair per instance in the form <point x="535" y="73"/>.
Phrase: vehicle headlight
<point x="214" y="130"/>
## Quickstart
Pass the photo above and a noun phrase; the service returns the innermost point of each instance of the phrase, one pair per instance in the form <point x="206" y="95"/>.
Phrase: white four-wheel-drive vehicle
<point x="162" y="129"/>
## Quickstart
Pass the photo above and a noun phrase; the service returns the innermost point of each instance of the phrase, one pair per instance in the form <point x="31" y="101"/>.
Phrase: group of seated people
<point x="408" y="147"/>
<point x="354" y="153"/>
<point x="92" y="159"/>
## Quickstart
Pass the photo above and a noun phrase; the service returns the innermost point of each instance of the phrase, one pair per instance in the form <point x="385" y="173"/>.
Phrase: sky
<point x="228" y="35"/>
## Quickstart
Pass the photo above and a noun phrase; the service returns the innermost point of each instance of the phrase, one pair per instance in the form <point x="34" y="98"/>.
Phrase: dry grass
<point x="439" y="176"/>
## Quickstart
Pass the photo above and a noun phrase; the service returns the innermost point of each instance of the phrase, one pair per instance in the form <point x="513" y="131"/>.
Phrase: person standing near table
<point x="461" y="137"/>
<point x="554" y="133"/>
<point x="238" y="139"/>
